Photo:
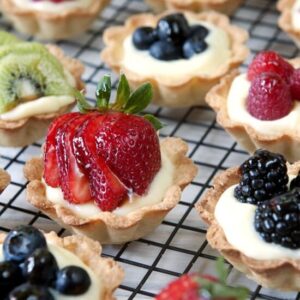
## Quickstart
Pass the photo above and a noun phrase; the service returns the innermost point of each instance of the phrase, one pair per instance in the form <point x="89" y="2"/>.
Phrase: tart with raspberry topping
<point x="183" y="54"/>
<point x="260" y="109"/>
<point x="105" y="174"/>
<point x="4" y="180"/>
<point x="37" y="265"/>
<point x="52" y="19"/>
<point x="260" y="236"/>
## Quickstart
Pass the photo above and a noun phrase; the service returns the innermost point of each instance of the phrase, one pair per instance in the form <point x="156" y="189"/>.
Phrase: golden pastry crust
<point x="51" y="26"/>
<point x="186" y="91"/>
<point x="107" y="227"/>
<point x="4" y="180"/>
<point x="286" y="143"/>
<point x="28" y="130"/>
<point x="89" y="251"/>
<point x="223" y="6"/>
<point x="285" y="20"/>
<point x="268" y="273"/>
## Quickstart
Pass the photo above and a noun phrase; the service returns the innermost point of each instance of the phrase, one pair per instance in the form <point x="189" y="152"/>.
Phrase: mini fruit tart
<point x="181" y="54"/>
<point x="253" y="216"/>
<point x="34" y="265"/>
<point x="223" y="6"/>
<point x="4" y="180"/>
<point x="52" y="19"/>
<point x="104" y="173"/>
<point x="37" y="84"/>
<point x="261" y="109"/>
<point x="289" y="18"/>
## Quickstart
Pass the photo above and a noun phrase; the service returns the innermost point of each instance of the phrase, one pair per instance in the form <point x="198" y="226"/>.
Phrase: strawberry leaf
<point x="123" y="93"/>
<point x="139" y="99"/>
<point x="154" y="121"/>
<point x="103" y="92"/>
<point x="221" y="269"/>
<point x="82" y="104"/>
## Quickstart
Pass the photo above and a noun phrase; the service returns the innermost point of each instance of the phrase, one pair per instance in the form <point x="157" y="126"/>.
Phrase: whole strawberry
<point x="203" y="287"/>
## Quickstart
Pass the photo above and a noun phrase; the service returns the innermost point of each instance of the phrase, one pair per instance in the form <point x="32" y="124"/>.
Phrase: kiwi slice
<point x="7" y="38"/>
<point x="27" y="72"/>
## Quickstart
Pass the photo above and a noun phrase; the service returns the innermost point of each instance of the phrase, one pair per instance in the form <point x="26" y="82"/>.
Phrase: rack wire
<point x="178" y="245"/>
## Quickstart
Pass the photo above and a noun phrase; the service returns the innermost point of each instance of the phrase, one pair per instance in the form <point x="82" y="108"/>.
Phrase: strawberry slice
<point x="51" y="173"/>
<point x="107" y="191"/>
<point x="74" y="183"/>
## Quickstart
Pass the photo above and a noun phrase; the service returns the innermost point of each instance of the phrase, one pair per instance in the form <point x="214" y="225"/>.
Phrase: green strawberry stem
<point x="126" y="101"/>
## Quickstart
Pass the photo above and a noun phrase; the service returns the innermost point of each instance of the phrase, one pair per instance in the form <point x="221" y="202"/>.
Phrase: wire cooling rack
<point x="178" y="245"/>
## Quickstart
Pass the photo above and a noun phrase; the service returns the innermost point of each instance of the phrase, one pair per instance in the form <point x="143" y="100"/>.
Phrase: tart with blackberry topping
<point x="104" y="173"/>
<point x="182" y="54"/>
<point x="38" y="83"/>
<point x="260" y="109"/>
<point x="34" y="265"/>
<point x="222" y="6"/>
<point x="260" y="236"/>
<point x="4" y="180"/>
<point x="52" y="19"/>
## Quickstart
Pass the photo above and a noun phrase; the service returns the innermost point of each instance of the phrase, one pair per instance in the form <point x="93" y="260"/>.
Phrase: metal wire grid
<point x="178" y="245"/>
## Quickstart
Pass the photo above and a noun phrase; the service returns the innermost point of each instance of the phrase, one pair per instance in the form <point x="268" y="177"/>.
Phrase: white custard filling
<point x="205" y="63"/>
<point x="237" y="111"/>
<point x="296" y="15"/>
<point x="66" y="258"/>
<point x="237" y="221"/>
<point x="52" y="7"/>
<point x="161" y="182"/>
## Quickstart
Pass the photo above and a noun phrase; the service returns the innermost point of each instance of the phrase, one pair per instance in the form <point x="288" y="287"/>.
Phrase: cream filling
<point x="66" y="258"/>
<point x="161" y="182"/>
<point x="52" y="7"/>
<point x="237" y="221"/>
<point x="205" y="63"/>
<point x="237" y="111"/>
<point x="296" y="15"/>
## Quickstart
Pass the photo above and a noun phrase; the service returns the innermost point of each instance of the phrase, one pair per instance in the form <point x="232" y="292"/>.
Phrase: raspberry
<point x="269" y="97"/>
<point x="295" y="85"/>
<point x="270" y="61"/>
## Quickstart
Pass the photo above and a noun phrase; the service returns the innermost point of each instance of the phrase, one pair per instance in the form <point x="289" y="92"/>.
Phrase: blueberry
<point x="193" y="45"/>
<point x="174" y="28"/>
<point x="72" y="280"/>
<point x="144" y="37"/>
<point x="10" y="276"/>
<point x="21" y="242"/>
<point x="164" y="50"/>
<point x="40" y="268"/>
<point x="200" y="31"/>
<point x="30" y="292"/>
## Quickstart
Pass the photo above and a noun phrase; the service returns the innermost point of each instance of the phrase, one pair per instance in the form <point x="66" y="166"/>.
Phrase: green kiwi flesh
<point x="7" y="38"/>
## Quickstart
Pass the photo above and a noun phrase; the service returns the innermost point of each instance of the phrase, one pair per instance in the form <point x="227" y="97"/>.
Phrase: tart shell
<point x="287" y="143"/>
<point x="268" y="273"/>
<point x="50" y="26"/>
<point x="25" y="131"/>
<point x="4" y="180"/>
<point x="88" y="251"/>
<point x="224" y="6"/>
<point x="107" y="227"/>
<point x="167" y="91"/>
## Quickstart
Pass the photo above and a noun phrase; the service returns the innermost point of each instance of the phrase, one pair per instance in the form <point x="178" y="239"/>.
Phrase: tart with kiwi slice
<point x="4" y="180"/>
<point x="105" y="174"/>
<point x="182" y="54"/>
<point x="37" y="84"/>
<point x="51" y="19"/>
<point x="37" y="265"/>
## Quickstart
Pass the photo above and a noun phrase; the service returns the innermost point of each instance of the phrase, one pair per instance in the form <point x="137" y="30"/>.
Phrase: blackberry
<point x="263" y="176"/>
<point x="277" y="220"/>
<point x="295" y="182"/>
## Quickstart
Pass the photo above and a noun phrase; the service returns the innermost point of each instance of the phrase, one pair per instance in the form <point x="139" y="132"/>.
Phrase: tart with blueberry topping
<point x="104" y="173"/>
<point x="37" y="83"/>
<point x="181" y="54"/>
<point x="260" y="109"/>
<point x="253" y="216"/>
<point x="4" y="180"/>
<point x="34" y="265"/>
<point x="52" y="19"/>
<point x="223" y="6"/>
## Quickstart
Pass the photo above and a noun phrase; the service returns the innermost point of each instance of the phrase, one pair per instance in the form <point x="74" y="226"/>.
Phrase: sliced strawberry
<point x="130" y="146"/>
<point x="51" y="173"/>
<point x="74" y="183"/>
<point x="106" y="189"/>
